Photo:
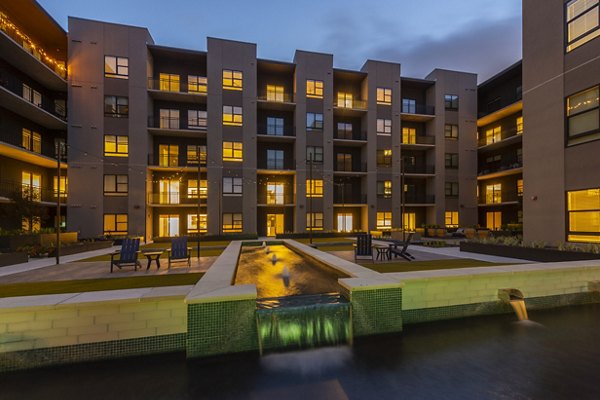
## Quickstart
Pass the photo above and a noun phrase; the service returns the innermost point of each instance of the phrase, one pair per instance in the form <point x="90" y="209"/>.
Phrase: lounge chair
<point x="130" y="248"/>
<point x="363" y="246"/>
<point x="402" y="252"/>
<point x="180" y="251"/>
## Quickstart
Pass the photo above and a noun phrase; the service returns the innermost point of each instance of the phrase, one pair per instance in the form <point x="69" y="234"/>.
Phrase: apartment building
<point x="171" y="141"/>
<point x="561" y="78"/>
<point x="500" y="152"/>
<point x="33" y="127"/>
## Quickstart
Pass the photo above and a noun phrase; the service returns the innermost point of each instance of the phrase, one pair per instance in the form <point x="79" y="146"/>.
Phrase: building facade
<point x="33" y="114"/>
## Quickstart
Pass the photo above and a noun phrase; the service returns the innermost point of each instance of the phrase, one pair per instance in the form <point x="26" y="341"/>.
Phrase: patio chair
<point x="179" y="251"/>
<point x="403" y="251"/>
<point x="130" y="248"/>
<point x="363" y="246"/>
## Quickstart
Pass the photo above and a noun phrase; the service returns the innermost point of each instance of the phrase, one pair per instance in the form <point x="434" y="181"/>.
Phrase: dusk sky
<point x="480" y="36"/>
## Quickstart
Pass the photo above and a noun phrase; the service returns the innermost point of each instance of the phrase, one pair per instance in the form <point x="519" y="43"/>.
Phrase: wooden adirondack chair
<point x="402" y="252"/>
<point x="179" y="251"/>
<point x="128" y="254"/>
<point x="363" y="246"/>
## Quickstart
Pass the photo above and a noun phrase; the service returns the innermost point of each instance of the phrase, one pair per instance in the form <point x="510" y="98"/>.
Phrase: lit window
<point x="451" y="189"/>
<point x="451" y="131"/>
<point x="232" y="186"/>
<point x="197" y="119"/>
<point x="274" y="159"/>
<point x="583" y="207"/>
<point x="344" y="130"/>
<point x="192" y="223"/>
<point x="192" y="189"/>
<point x="384" y="127"/>
<point x="232" y="80"/>
<point x="384" y="220"/>
<point x="314" y="121"/>
<point x="314" y="89"/>
<point x="26" y="139"/>
<point x="275" y="93"/>
<point x="344" y="100"/>
<point x="36" y="145"/>
<point x="314" y="188"/>
<point x="493" y="135"/>
<point x="116" y="185"/>
<point x="275" y="193"/>
<point x="409" y="135"/>
<point x="232" y="151"/>
<point x="31" y="188"/>
<point x="451" y="218"/>
<point x="116" y="106"/>
<point x="410" y="221"/>
<point x="33" y="224"/>
<point x="275" y="126"/>
<point x="493" y="220"/>
<point x="409" y="106"/>
<point x="451" y="102"/>
<point x="493" y="194"/>
<point x="384" y="158"/>
<point x="343" y="162"/>
<point x="32" y="95"/>
<point x="168" y="225"/>
<point x="168" y="191"/>
<point x="169" y="82"/>
<point x="384" y="189"/>
<point x="232" y="115"/>
<point x="232" y="222"/>
<point x="583" y="116"/>
<point x="197" y="84"/>
<point x="115" y="224"/>
<point x="519" y="125"/>
<point x="116" y="67"/>
<point x="314" y="154"/>
<point x="384" y="96"/>
<point x="168" y="155"/>
<point x="169" y="119"/>
<point x="194" y="152"/>
<point x="314" y="221"/>
<point x="451" y="160"/>
<point x="583" y="22"/>
<point x="116" y="146"/>
<point x="520" y="187"/>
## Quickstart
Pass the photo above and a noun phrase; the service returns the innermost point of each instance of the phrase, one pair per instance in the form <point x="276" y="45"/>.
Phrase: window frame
<point x="195" y="150"/>
<point x="314" y="221"/>
<point x="451" y="131"/>
<point x="317" y="152"/>
<point x="233" y="115"/>
<point x="121" y="71"/>
<point x="201" y="122"/>
<point x="383" y="220"/>
<point x="451" y="160"/>
<point x="451" y="102"/>
<point x="386" y="160"/>
<point x="236" y="223"/>
<point x="386" y="96"/>
<point x="317" y="122"/>
<point x="591" y="135"/>
<point x="116" y="223"/>
<point x="451" y="189"/>
<point x="314" y="93"/>
<point x="120" y="188"/>
<point x="585" y="37"/>
<point x="235" y="151"/>
<point x="235" y="183"/>
<point x="386" y="125"/>
<point x="314" y="188"/>
<point x="197" y="84"/>
<point x="118" y="146"/>
<point x="232" y="79"/>
<point x="120" y="106"/>
<point x="384" y="189"/>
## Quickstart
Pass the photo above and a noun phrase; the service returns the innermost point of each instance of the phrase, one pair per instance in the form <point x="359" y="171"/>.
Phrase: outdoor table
<point x="153" y="256"/>
<point x="383" y="252"/>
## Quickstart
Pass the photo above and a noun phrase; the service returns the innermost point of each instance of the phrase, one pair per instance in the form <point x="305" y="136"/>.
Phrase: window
<point x="31" y="188"/>
<point x="232" y="222"/>
<point x="519" y="125"/>
<point x="384" y="220"/>
<point x="451" y="218"/>
<point x="314" y="121"/>
<point x="344" y="130"/>
<point x="520" y="187"/>
<point x="232" y="186"/>
<point x="410" y="221"/>
<point x="169" y="119"/>
<point x="343" y="162"/>
<point x="275" y="192"/>
<point x="384" y="96"/>
<point x="583" y="24"/>
<point x="116" y="146"/>
<point x="275" y="93"/>
<point x="314" y="89"/>
<point x="583" y="116"/>
<point x="33" y="224"/>
<point x="193" y="152"/>
<point x="344" y="100"/>
<point x="409" y="136"/>
<point x="275" y="126"/>
<point x="451" y="131"/>
<point x="115" y="224"/>
<point x="493" y="159"/>
<point x="314" y="154"/>
<point x="193" y="190"/>
<point x="384" y="127"/>
<point x="168" y="225"/>
<point x="26" y="139"/>
<point x="493" y="135"/>
<point x="169" y="82"/>
<point x="168" y="191"/>
<point x="116" y="106"/>
<point x="197" y="84"/>
<point x="197" y="119"/>
<point x="116" y="185"/>
<point x="493" y="194"/>
<point x="384" y="158"/>
<point x="314" y="188"/>
<point x="451" y="102"/>
<point x="116" y="67"/>
<point x="168" y="155"/>
<point x="233" y="151"/>
<point x="409" y="106"/>
<point x="32" y="96"/>
<point x="232" y="80"/>
<point x="384" y="189"/>
<point x="31" y="141"/>
<point x="583" y="207"/>
<point x="451" y="189"/>
<point x="451" y="160"/>
<point x="232" y="115"/>
<point x="493" y="220"/>
<point x="274" y="159"/>
<point x="192" y="223"/>
<point x="314" y="221"/>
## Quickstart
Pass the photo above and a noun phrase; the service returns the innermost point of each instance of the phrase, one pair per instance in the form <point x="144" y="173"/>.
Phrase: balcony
<point x="502" y="169"/>
<point x="351" y="139"/>
<point x="419" y="142"/>
<point x="176" y="91"/>
<point x="418" y="199"/>
<point x="419" y="170"/>
<point x="350" y="168"/>
<point x="174" y="199"/>
<point x="345" y="199"/>
<point x="506" y="137"/>
<point x="159" y="162"/>
<point x="276" y="133"/>
<point x="350" y="107"/>
<point x="13" y="190"/>
<point x="276" y="166"/>
<point x="499" y="198"/>
<point x="276" y="101"/>
<point x="275" y="200"/>
<point x="417" y="112"/>
<point x="172" y="126"/>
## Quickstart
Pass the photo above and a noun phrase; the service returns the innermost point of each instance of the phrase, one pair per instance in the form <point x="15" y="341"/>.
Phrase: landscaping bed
<point x="527" y="253"/>
<point x="13" y="258"/>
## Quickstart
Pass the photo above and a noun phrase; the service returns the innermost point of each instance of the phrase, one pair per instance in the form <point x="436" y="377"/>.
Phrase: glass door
<point x="344" y="222"/>
<point x="274" y="224"/>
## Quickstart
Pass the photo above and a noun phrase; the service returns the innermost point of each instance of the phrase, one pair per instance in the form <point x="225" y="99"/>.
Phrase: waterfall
<point x="520" y="309"/>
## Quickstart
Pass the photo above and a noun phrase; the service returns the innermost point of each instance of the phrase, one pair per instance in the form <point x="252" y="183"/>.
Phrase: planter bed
<point x="13" y="258"/>
<point x="527" y="253"/>
<point x="83" y="247"/>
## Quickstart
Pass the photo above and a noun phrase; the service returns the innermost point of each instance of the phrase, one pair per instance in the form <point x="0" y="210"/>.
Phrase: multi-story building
<point x="33" y="89"/>
<point x="561" y="78"/>
<point x="167" y="141"/>
<point x="500" y="154"/>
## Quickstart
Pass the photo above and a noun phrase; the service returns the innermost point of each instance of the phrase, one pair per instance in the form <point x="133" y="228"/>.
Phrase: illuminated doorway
<point x="344" y="222"/>
<point x="493" y="220"/>
<point x="168" y="225"/>
<point x="274" y="224"/>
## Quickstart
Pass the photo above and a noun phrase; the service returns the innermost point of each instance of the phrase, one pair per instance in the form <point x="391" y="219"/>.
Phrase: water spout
<point x="267" y="249"/>
<point x="274" y="259"/>
<point x="264" y="244"/>
<point x="285" y="275"/>
<point x="520" y="309"/>
<point x="515" y="298"/>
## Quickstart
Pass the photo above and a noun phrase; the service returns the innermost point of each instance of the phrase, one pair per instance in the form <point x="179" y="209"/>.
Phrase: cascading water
<point x="514" y="297"/>
<point x="520" y="309"/>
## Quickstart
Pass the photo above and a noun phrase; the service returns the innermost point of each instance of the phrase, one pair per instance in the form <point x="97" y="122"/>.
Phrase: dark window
<point x="451" y="102"/>
<point x="451" y="131"/>
<point x="583" y="116"/>
<point x="451" y="160"/>
<point x="451" y="189"/>
<point x="116" y="106"/>
<point x="316" y="152"/>
<point x="314" y="121"/>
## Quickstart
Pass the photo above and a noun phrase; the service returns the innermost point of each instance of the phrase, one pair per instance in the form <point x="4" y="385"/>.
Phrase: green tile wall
<point x="376" y="311"/>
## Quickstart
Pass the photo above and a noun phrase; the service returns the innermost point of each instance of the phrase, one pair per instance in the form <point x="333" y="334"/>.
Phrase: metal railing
<point x="275" y="199"/>
<point x="276" y="130"/>
<point x="15" y="190"/>
<point x="353" y="167"/>
<point x="499" y="197"/>
<point x="288" y="163"/>
<point x="175" y="198"/>
<point x="421" y="140"/>
<point x="420" y="109"/>
<point x="499" y="104"/>
<point x="173" y="123"/>
<point x="165" y="85"/>
<point x="55" y="107"/>
<point x="348" y="198"/>
<point x="419" y="169"/>
<point x="505" y="166"/>
<point x="504" y="134"/>
<point x="158" y="160"/>
<point x="351" y="104"/>
<point x="344" y="135"/>
<point x="410" y="198"/>
<point x="276" y="97"/>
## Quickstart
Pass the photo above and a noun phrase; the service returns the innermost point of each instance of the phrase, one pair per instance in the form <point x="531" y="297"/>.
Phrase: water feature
<point x="514" y="297"/>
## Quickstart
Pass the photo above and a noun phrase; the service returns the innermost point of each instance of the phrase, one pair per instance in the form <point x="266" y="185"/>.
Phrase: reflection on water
<point x="308" y="362"/>
<point x="282" y="272"/>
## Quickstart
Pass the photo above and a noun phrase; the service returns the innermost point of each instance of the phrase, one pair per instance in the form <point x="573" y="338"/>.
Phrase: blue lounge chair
<point x="130" y="248"/>
<point x="180" y="251"/>
<point x="402" y="252"/>
<point x="363" y="246"/>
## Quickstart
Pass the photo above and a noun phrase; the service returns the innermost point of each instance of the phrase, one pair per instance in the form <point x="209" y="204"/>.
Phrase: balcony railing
<point x="420" y="109"/>
<point x="175" y="198"/>
<point x="504" y="134"/>
<point x="275" y="199"/>
<point x="499" y="197"/>
<point x="276" y="130"/>
<point x="55" y="107"/>
<point x="349" y="198"/>
<point x="410" y="198"/>
<point x="15" y="190"/>
<point x="158" y="160"/>
<point x="351" y="104"/>
<point x="419" y="169"/>
<point x="345" y="135"/>
<point x="430" y="140"/>
<point x="276" y="98"/>
<point x="288" y="163"/>
<point x="491" y="169"/>
<point x="165" y="85"/>
<point x="354" y="167"/>
<point x="174" y="123"/>
<point x="500" y="103"/>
